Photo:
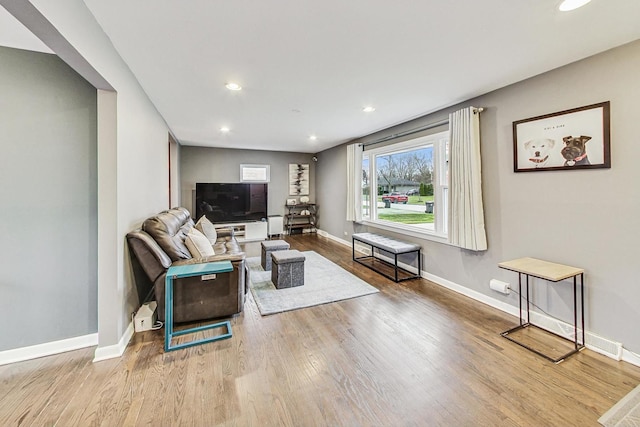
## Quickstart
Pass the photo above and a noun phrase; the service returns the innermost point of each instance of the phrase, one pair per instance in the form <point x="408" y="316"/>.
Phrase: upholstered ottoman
<point x="268" y="247"/>
<point x="287" y="269"/>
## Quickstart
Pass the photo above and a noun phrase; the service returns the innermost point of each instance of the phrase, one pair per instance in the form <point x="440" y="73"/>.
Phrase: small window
<point x="255" y="173"/>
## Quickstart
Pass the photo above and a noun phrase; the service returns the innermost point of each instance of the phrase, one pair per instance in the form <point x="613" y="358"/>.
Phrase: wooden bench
<point x="390" y="246"/>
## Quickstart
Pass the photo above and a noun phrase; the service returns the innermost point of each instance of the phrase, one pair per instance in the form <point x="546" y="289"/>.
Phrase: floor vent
<point x="593" y="342"/>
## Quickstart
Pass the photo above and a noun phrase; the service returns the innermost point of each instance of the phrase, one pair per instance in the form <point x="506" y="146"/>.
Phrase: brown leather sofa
<point x="160" y="244"/>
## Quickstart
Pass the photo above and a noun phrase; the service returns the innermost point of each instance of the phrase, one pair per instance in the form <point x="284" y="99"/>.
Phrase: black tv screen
<point x="231" y="202"/>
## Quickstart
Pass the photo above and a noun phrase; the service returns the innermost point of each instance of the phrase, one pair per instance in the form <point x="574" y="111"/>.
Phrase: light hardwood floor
<point x="414" y="354"/>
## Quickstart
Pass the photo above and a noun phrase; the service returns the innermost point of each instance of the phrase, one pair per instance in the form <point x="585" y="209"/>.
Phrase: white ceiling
<point x="309" y="67"/>
<point x="14" y="34"/>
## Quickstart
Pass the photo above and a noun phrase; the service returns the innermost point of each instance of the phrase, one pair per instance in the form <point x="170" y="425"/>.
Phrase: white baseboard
<point x="593" y="342"/>
<point x="334" y="238"/>
<point x="478" y="296"/>
<point x="631" y="357"/>
<point x="47" y="349"/>
<point x="604" y="346"/>
<point x="117" y="350"/>
<point x="69" y="344"/>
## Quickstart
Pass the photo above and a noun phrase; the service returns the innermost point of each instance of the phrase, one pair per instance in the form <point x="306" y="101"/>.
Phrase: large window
<point x="404" y="185"/>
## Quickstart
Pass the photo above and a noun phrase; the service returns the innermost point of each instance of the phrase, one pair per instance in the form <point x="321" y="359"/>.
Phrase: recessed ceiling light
<point x="568" y="5"/>
<point x="233" y="86"/>
<point x="313" y="137"/>
<point x="224" y="129"/>
<point x="368" y="109"/>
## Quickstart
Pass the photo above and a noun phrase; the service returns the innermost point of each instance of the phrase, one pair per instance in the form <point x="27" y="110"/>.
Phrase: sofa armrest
<point x="236" y="256"/>
<point x="222" y="297"/>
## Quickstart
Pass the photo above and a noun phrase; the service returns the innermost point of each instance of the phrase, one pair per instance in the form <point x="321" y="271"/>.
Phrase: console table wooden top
<point x="542" y="269"/>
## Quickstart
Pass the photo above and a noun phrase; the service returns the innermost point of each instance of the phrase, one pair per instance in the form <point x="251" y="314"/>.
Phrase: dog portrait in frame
<point x="567" y="140"/>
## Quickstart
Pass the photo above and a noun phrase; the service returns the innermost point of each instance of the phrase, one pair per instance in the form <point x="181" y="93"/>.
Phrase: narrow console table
<point x="531" y="267"/>
<point x="190" y="270"/>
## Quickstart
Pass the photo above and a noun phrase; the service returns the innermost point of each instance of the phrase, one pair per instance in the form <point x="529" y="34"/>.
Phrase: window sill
<point x="422" y="234"/>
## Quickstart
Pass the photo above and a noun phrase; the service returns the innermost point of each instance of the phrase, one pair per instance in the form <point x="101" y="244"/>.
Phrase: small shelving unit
<point x="295" y="219"/>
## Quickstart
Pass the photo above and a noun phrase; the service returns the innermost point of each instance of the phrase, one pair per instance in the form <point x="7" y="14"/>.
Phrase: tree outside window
<point x="404" y="174"/>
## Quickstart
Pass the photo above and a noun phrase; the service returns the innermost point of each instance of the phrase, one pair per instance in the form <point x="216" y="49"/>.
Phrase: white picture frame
<point x="255" y="173"/>
<point x="298" y="179"/>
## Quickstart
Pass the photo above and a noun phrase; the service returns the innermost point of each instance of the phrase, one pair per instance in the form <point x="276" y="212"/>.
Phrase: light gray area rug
<point x="625" y="413"/>
<point x="324" y="282"/>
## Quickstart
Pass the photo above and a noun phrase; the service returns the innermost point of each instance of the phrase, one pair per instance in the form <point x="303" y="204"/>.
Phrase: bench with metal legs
<point x="391" y="246"/>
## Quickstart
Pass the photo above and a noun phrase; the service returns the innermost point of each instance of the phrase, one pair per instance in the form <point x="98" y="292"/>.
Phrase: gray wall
<point x="48" y="220"/>
<point x="201" y="164"/>
<point x="585" y="218"/>
<point x="132" y="154"/>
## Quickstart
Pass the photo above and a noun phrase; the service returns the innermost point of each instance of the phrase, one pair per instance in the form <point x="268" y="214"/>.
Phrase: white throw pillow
<point x="198" y="244"/>
<point x="206" y="227"/>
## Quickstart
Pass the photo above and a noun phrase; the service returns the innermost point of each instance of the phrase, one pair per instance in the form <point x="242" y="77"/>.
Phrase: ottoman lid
<point x="287" y="257"/>
<point x="275" y="244"/>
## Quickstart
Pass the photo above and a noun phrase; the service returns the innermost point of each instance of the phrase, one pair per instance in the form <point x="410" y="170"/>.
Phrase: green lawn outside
<point x="419" y="200"/>
<point x="406" y="218"/>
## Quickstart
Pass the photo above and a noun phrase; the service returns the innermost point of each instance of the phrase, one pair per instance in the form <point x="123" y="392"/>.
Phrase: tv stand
<point x="247" y="231"/>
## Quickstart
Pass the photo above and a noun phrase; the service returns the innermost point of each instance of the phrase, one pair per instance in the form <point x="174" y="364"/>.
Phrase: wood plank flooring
<point x="414" y="354"/>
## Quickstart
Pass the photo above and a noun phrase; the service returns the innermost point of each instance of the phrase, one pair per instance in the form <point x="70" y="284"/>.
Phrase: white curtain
<point x="466" y="214"/>
<point x="354" y="182"/>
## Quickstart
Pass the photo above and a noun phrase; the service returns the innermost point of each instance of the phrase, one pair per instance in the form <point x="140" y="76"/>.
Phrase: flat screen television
<point x="227" y="203"/>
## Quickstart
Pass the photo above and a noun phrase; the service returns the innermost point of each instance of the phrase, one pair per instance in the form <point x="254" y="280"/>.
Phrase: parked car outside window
<point x="396" y="198"/>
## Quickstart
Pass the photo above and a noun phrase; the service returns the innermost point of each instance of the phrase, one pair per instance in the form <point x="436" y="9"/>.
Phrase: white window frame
<point x="373" y="192"/>
<point x="439" y="180"/>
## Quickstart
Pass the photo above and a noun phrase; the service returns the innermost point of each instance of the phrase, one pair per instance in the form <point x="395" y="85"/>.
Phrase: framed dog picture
<point x="567" y="140"/>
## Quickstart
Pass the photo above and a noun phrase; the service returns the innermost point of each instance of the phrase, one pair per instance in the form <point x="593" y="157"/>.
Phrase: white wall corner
<point x="47" y="349"/>
<point x="117" y="350"/>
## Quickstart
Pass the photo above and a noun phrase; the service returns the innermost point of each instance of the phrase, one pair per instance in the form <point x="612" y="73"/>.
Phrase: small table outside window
<point x="190" y="270"/>
<point x="531" y="267"/>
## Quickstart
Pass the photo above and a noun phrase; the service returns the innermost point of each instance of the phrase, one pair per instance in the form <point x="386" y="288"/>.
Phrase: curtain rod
<point x="412" y="131"/>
